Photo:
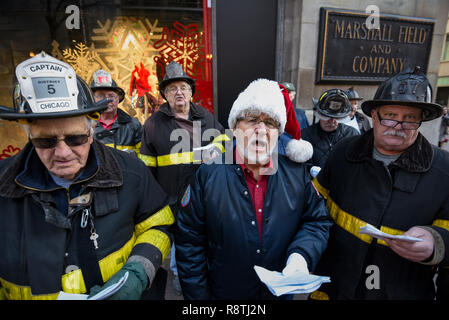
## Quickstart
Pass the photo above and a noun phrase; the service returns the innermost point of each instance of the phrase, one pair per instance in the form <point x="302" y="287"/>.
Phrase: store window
<point x="131" y="39"/>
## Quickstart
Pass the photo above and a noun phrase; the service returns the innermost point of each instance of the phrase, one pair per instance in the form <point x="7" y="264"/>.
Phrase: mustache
<point x="393" y="132"/>
<point x="260" y="140"/>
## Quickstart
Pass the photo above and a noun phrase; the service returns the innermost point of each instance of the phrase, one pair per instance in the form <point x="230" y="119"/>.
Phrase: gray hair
<point x="90" y="125"/>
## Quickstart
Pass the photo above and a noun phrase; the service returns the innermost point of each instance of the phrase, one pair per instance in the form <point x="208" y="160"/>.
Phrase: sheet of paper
<point x="71" y="296"/>
<point x="376" y="233"/>
<point x="102" y="295"/>
<point x="298" y="282"/>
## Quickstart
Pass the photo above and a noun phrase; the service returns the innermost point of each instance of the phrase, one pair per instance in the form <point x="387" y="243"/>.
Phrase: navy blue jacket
<point x="302" y="118"/>
<point x="217" y="239"/>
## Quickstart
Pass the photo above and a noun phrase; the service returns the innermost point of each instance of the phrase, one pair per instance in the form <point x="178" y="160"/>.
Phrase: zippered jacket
<point x="217" y="237"/>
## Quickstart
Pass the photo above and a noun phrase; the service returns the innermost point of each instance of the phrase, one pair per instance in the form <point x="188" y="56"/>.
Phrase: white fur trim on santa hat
<point x="299" y="150"/>
<point x="261" y="96"/>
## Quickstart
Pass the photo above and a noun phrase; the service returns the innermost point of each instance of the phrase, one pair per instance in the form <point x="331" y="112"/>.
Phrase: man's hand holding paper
<point x="413" y="251"/>
<point x="416" y="244"/>
<point x="295" y="277"/>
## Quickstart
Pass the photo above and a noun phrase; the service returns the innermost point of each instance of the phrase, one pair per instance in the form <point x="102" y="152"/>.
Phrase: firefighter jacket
<point x="45" y="229"/>
<point x="217" y="237"/>
<point x="169" y="153"/>
<point x="411" y="191"/>
<point x="125" y="133"/>
<point x="324" y="142"/>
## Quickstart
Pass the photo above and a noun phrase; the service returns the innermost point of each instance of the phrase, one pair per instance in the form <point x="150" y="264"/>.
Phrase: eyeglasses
<point x="406" y="125"/>
<point x="174" y="89"/>
<point x="253" y="121"/>
<point x="110" y="96"/>
<point x="71" y="141"/>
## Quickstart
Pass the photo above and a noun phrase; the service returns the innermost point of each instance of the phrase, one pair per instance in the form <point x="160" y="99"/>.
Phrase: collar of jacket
<point x="417" y="158"/>
<point x="122" y="116"/>
<point x="196" y="111"/>
<point x="107" y="172"/>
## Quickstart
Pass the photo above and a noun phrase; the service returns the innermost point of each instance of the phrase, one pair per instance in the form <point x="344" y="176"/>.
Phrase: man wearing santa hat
<point x="261" y="209"/>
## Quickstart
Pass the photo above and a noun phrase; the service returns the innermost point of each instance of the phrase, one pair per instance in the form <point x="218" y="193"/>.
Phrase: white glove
<point x="295" y="263"/>
<point x="314" y="171"/>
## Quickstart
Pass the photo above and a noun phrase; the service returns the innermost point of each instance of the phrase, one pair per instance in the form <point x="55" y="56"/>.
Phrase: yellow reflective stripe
<point x="149" y="161"/>
<point x="176" y="158"/>
<point x="323" y="191"/>
<point x="113" y="262"/>
<point x="347" y="221"/>
<point x="13" y="291"/>
<point x="392" y="231"/>
<point x="156" y="238"/>
<point x="137" y="149"/>
<point x="182" y="157"/>
<point x="161" y="218"/>
<point x="122" y="147"/>
<point x="3" y="294"/>
<point x="389" y="230"/>
<point x="221" y="137"/>
<point x="73" y="282"/>
<point x="441" y="223"/>
<point x="219" y="146"/>
<point x="218" y="139"/>
<point x="352" y="224"/>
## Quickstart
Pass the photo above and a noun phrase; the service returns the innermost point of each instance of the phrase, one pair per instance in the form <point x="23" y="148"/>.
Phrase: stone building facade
<point x="298" y="35"/>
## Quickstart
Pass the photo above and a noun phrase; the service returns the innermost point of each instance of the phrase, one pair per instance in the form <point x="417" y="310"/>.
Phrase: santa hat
<point x="267" y="96"/>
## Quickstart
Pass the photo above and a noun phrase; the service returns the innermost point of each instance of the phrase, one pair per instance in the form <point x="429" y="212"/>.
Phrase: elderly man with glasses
<point x="259" y="208"/>
<point x="76" y="216"/>
<point x="172" y="133"/>
<point x="392" y="178"/>
<point x="115" y="128"/>
<point x="178" y="138"/>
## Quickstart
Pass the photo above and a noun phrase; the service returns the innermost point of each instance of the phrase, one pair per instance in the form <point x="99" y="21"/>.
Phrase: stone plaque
<point x="350" y="49"/>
